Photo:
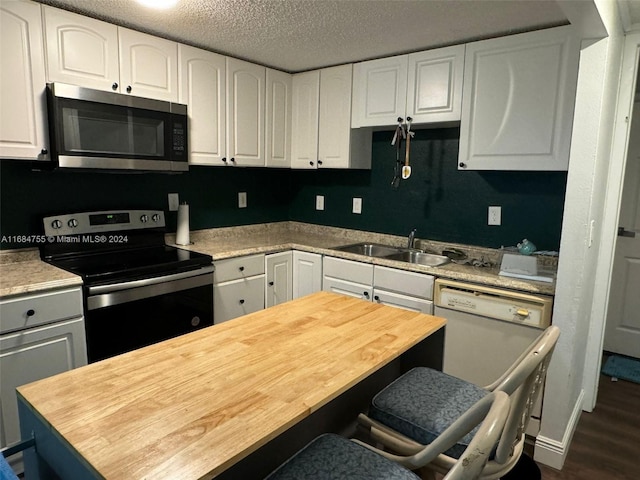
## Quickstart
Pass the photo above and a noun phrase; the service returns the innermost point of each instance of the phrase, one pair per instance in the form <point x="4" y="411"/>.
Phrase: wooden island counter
<point x="194" y="406"/>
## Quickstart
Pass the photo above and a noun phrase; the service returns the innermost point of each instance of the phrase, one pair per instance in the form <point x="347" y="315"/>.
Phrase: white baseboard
<point x="552" y="452"/>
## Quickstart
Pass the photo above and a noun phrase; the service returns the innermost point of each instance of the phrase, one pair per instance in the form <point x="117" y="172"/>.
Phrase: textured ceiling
<point x="297" y="35"/>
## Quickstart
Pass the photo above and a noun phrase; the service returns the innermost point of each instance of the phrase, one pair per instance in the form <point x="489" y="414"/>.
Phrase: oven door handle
<point x="145" y="282"/>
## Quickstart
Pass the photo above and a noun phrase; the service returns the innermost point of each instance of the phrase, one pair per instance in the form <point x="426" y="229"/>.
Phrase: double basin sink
<point x="387" y="252"/>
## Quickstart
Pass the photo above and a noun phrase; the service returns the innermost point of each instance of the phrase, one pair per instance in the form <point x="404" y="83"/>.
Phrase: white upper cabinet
<point x="81" y="50"/>
<point x="305" y="101"/>
<point x="148" y="65"/>
<point x="23" y="132"/>
<point x="334" y="129"/>
<point x="517" y="107"/>
<point x="322" y="136"/>
<point x="202" y="87"/>
<point x="245" y="113"/>
<point x="434" y="91"/>
<point x="278" y="119"/>
<point x="93" y="54"/>
<point x="379" y="91"/>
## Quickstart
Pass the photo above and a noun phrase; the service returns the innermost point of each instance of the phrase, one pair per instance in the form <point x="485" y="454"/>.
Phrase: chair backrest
<point x="523" y="382"/>
<point x="472" y="461"/>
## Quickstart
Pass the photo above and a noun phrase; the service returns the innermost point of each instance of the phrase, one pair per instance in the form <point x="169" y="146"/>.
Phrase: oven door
<point x="127" y="316"/>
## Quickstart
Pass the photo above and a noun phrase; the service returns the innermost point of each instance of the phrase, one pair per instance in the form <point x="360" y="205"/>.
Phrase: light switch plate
<point x="242" y="199"/>
<point x="357" y="205"/>
<point x="319" y="202"/>
<point x="174" y="201"/>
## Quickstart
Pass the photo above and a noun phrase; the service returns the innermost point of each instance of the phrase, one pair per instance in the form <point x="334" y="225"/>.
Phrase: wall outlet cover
<point x="242" y="199"/>
<point x="357" y="205"/>
<point x="319" y="202"/>
<point x="174" y="202"/>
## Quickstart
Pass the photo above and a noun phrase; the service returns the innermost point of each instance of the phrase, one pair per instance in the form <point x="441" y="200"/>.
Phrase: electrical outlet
<point x="242" y="199"/>
<point x="495" y="216"/>
<point x="357" y="205"/>
<point x="319" y="202"/>
<point x="174" y="201"/>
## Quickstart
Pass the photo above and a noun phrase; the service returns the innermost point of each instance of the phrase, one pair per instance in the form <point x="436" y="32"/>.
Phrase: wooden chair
<point x="411" y="413"/>
<point x="331" y="457"/>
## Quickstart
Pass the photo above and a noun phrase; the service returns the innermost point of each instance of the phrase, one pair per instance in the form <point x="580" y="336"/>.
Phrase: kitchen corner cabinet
<point x="518" y="99"/>
<point x="278" y="285"/>
<point x="278" y="119"/>
<point x="94" y="54"/>
<point x="23" y="131"/>
<point x="202" y="87"/>
<point x="245" y="113"/>
<point x="307" y="273"/>
<point x="41" y="335"/>
<point x="426" y="86"/>
<point x="238" y="287"/>
<point x="322" y="136"/>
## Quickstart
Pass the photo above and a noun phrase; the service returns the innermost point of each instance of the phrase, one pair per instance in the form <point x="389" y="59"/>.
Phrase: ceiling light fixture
<point x="158" y="4"/>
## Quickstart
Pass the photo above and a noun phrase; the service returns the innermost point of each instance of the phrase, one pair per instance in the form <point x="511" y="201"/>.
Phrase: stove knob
<point x="144" y="218"/>
<point x="155" y="217"/>
<point x="73" y="223"/>
<point x="56" y="224"/>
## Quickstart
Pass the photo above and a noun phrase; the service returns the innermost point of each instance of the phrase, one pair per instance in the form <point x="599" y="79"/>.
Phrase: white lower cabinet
<point x="238" y="287"/>
<point x="389" y="286"/>
<point x="41" y="335"/>
<point x="307" y="273"/>
<point x="278" y="285"/>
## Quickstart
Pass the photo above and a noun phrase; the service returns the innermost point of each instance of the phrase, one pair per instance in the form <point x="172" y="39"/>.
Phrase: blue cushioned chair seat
<point x="423" y="402"/>
<point x="331" y="457"/>
<point x="5" y="470"/>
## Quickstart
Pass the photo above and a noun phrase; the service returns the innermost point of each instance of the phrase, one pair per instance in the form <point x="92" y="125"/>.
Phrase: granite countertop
<point x="229" y="242"/>
<point x="22" y="271"/>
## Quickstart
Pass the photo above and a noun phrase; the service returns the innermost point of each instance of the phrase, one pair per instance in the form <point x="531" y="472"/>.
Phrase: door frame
<point x="610" y="217"/>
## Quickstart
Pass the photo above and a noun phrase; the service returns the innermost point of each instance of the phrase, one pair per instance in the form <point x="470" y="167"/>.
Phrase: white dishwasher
<point x="487" y="330"/>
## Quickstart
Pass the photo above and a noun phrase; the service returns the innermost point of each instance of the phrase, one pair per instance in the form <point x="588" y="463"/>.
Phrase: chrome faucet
<point x="412" y="238"/>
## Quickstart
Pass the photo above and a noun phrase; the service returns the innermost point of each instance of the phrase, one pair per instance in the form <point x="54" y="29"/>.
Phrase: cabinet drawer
<point x="344" y="287"/>
<point x="31" y="310"/>
<point x="238" y="297"/>
<point x="240" y="267"/>
<point x="407" y="283"/>
<point x="403" y="301"/>
<point x="348" y="270"/>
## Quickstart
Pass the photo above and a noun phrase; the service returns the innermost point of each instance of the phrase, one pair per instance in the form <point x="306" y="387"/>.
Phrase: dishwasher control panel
<point x="521" y="308"/>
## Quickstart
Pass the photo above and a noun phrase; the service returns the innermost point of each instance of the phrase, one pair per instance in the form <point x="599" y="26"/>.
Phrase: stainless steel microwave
<point x="92" y="129"/>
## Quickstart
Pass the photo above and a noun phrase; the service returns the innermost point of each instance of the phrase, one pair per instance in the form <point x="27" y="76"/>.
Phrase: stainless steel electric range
<point x="137" y="290"/>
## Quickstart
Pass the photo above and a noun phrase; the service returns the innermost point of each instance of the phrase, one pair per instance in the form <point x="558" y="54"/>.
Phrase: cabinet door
<point x="344" y="287"/>
<point x="379" y="91"/>
<point x="23" y="132"/>
<point x="81" y="50"/>
<point x="434" y="90"/>
<point x="278" y="287"/>
<point x="402" y="301"/>
<point x="307" y="273"/>
<point x="237" y="297"/>
<point x="245" y="113"/>
<point x="148" y="65"/>
<point x="518" y="99"/>
<point x="334" y="126"/>
<point x="34" y="354"/>
<point x="306" y="98"/>
<point x="278" y="119"/>
<point x="202" y="79"/>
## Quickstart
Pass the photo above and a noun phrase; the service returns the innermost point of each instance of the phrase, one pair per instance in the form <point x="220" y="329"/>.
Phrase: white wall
<point x="586" y="188"/>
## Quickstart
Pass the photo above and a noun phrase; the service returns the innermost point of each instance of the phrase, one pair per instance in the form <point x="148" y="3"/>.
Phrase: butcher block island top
<point x="192" y="406"/>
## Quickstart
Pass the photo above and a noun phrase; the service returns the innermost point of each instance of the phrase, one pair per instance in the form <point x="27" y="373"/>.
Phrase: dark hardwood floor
<point x="606" y="444"/>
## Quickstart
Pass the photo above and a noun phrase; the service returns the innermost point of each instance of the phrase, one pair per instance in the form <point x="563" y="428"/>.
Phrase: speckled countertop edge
<point x="229" y="242"/>
<point x="22" y="272"/>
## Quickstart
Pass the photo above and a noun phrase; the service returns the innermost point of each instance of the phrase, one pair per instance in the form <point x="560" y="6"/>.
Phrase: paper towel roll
<point x="182" y="232"/>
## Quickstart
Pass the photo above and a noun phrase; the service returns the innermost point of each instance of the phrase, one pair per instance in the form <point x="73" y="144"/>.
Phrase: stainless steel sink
<point x="371" y="249"/>
<point x="421" y="258"/>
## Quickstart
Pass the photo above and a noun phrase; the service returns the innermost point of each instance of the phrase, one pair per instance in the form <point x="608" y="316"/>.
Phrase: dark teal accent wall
<point x="212" y="194"/>
<point x="440" y="201"/>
